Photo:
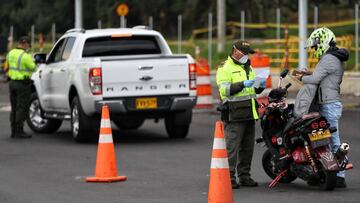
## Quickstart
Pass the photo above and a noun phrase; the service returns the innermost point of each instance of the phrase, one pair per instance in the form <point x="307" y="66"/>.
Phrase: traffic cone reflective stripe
<point x="220" y="186"/>
<point x="203" y="80"/>
<point x="203" y="84"/>
<point x="105" y="170"/>
<point x="105" y="131"/>
<point x="217" y="163"/>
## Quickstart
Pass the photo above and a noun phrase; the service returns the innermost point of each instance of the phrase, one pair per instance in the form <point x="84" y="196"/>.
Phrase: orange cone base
<point x="106" y="179"/>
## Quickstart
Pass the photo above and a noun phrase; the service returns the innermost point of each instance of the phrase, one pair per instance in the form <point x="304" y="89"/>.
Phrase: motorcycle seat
<point x="306" y="117"/>
<point x="295" y="121"/>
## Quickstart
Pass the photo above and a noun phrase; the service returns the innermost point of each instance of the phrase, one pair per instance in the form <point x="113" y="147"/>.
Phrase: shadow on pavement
<point x="119" y="136"/>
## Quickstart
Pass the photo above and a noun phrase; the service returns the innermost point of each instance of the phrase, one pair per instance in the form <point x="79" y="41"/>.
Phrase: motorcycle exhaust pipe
<point x="343" y="150"/>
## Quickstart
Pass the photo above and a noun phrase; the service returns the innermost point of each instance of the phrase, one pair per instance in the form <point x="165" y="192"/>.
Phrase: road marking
<point x="5" y="108"/>
<point x="80" y="177"/>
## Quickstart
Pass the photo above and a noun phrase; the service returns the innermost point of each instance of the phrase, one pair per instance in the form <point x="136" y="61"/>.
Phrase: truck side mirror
<point x="40" y="58"/>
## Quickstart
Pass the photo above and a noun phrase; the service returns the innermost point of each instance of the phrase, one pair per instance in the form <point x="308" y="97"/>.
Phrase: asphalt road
<point x="52" y="167"/>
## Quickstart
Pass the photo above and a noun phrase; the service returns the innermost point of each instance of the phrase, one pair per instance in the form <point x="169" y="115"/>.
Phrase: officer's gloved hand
<point x="248" y="83"/>
<point x="263" y="84"/>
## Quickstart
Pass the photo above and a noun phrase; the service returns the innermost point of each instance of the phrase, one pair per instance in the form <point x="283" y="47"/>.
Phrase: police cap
<point x="244" y="47"/>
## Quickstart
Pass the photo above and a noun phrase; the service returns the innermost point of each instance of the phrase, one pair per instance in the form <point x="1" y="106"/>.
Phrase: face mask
<point x="243" y="59"/>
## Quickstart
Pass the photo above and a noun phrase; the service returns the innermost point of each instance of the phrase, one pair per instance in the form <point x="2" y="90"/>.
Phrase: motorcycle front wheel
<point x="268" y="163"/>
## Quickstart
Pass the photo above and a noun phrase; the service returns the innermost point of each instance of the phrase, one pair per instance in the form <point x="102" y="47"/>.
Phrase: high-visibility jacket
<point x="21" y="65"/>
<point x="231" y="73"/>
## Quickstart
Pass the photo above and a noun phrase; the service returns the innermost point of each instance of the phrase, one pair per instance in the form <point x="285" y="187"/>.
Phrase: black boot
<point x="248" y="182"/>
<point x="12" y="132"/>
<point x="21" y="134"/>
<point x="234" y="184"/>
<point x="340" y="182"/>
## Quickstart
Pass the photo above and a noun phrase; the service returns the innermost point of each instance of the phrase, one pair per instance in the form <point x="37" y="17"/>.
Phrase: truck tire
<point x="128" y="124"/>
<point x="36" y="121"/>
<point x="83" y="127"/>
<point x="177" y="124"/>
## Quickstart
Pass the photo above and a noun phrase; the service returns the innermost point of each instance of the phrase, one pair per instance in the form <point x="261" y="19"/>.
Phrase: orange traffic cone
<point x="105" y="170"/>
<point x="220" y="186"/>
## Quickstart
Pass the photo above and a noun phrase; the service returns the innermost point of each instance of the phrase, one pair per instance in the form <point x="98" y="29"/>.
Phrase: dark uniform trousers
<point x="20" y="92"/>
<point x="240" y="140"/>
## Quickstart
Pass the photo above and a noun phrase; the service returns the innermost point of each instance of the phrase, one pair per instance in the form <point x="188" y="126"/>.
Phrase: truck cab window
<point x="119" y="46"/>
<point x="55" y="55"/>
<point x="68" y="47"/>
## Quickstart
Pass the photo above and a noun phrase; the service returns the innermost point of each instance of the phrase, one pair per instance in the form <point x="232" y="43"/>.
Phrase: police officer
<point x="21" y="66"/>
<point x="235" y="80"/>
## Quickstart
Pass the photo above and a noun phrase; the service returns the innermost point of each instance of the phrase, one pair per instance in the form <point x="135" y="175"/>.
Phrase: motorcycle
<point x="298" y="147"/>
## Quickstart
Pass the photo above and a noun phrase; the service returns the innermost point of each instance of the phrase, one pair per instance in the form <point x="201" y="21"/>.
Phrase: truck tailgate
<point x="145" y="76"/>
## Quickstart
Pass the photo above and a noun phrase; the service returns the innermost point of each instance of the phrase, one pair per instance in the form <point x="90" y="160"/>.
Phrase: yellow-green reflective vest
<point x="21" y="65"/>
<point x="231" y="73"/>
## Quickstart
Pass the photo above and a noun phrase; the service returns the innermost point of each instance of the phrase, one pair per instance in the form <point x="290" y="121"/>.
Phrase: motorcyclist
<point x="327" y="77"/>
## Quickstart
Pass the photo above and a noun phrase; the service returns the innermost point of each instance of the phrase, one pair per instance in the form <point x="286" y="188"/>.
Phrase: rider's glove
<point x="248" y="83"/>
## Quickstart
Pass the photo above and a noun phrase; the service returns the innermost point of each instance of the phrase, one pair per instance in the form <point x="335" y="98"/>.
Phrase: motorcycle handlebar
<point x="288" y="85"/>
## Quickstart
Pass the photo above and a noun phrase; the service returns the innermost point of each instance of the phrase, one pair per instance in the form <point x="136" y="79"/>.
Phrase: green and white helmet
<point x="321" y="40"/>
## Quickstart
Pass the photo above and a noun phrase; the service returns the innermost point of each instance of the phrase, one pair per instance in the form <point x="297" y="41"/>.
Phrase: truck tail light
<point x="192" y="76"/>
<point x="95" y="81"/>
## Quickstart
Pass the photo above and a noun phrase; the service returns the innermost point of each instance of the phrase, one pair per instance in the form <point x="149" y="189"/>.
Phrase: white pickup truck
<point x="132" y="70"/>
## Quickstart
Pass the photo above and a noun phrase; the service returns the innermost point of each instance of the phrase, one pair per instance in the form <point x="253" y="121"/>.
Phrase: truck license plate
<point x="146" y="103"/>
<point x="320" y="135"/>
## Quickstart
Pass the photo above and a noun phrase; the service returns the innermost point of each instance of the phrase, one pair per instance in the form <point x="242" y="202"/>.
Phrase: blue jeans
<point x="332" y="112"/>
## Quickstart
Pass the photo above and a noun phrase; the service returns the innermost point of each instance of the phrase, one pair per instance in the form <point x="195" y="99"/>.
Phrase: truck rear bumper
<point x="118" y="106"/>
<point x="183" y="103"/>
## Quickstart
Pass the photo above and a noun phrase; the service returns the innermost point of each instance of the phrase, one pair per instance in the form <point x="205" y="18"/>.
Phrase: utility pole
<point x="357" y="36"/>
<point x="242" y="29"/>
<point x="278" y="18"/>
<point x="53" y="33"/>
<point x="78" y="14"/>
<point x="179" y="32"/>
<point x="210" y="40"/>
<point x="151" y="22"/>
<point x="302" y="34"/>
<point x="32" y="37"/>
<point x="316" y="16"/>
<point x="221" y="13"/>
<point x="11" y="37"/>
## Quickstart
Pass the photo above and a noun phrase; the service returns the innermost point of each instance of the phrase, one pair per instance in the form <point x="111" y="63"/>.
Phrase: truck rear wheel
<point x="128" y="124"/>
<point x="178" y="124"/>
<point x="36" y="121"/>
<point x="83" y="127"/>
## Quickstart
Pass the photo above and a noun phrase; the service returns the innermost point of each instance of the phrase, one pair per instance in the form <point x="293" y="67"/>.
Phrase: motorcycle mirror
<point x="284" y="73"/>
